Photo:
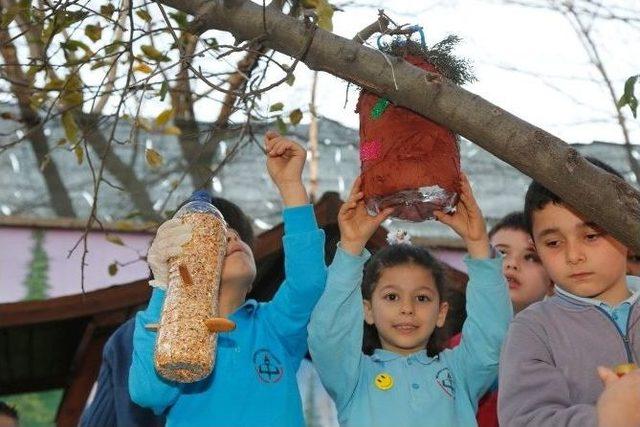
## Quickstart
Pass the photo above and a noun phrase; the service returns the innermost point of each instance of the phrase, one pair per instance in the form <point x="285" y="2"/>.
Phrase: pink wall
<point x="63" y="271"/>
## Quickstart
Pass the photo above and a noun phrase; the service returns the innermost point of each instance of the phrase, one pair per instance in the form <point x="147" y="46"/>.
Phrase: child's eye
<point x="592" y="236"/>
<point x="391" y="297"/>
<point x="502" y="251"/>
<point x="423" y="298"/>
<point x="532" y="258"/>
<point x="552" y="243"/>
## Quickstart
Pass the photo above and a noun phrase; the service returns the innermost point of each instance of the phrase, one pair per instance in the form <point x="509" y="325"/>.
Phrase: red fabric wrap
<point x="402" y="150"/>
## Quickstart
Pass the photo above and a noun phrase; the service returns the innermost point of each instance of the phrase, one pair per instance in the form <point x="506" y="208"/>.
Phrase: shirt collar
<point x="380" y="355"/>
<point x="633" y="284"/>
<point x="247" y="308"/>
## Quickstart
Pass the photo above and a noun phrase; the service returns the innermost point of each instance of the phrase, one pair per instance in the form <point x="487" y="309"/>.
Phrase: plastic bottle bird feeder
<point x="408" y="161"/>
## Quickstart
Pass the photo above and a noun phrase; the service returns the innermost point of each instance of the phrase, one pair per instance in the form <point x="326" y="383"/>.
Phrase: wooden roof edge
<point x="116" y="297"/>
<point x="122" y="226"/>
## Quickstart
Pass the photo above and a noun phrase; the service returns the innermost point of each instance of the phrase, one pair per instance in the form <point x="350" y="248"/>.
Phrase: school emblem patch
<point x="445" y="381"/>
<point x="268" y="367"/>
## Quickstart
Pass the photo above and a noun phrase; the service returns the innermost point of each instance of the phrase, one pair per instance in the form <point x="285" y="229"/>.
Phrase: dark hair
<point x="538" y="196"/>
<point x="511" y="221"/>
<point x="9" y="411"/>
<point x="234" y="216"/>
<point x="392" y="256"/>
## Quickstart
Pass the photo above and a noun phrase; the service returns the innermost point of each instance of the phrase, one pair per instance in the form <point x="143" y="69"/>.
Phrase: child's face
<point x="405" y="308"/>
<point x="239" y="266"/>
<point x="580" y="257"/>
<point x="528" y="281"/>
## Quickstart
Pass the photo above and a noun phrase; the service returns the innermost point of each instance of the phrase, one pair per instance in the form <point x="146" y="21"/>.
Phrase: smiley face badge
<point x="383" y="381"/>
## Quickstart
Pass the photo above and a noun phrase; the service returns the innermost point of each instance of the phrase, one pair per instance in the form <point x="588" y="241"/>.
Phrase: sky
<point x="528" y="61"/>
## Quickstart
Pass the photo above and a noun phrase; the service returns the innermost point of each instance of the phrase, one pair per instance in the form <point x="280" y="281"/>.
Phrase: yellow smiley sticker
<point x="383" y="381"/>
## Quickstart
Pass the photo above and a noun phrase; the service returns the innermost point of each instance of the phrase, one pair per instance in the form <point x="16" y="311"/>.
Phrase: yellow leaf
<point x="295" y="116"/>
<point x="153" y="53"/>
<point x="144" y="15"/>
<point x="114" y="239"/>
<point x="79" y="153"/>
<point x="70" y="127"/>
<point x="143" y="68"/>
<point x="164" y="117"/>
<point x="94" y="32"/>
<point x="154" y="159"/>
<point x="113" y="269"/>
<point x="172" y="130"/>
<point x="324" y="12"/>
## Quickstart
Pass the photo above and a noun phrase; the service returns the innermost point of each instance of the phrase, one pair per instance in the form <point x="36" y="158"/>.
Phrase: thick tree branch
<point x="611" y="202"/>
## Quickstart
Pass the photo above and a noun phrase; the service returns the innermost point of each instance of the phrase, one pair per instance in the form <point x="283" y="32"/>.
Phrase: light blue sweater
<point x="439" y="391"/>
<point x="254" y="379"/>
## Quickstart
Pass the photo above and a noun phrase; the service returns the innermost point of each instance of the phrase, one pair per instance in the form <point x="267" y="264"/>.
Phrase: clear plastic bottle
<point x="185" y="348"/>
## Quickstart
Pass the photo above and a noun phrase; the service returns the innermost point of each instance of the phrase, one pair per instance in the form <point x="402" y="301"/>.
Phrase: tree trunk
<point x="609" y="201"/>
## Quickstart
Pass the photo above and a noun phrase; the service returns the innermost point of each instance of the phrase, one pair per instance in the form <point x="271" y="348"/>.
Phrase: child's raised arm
<point x="336" y="327"/>
<point x="305" y="271"/>
<point x="488" y="306"/>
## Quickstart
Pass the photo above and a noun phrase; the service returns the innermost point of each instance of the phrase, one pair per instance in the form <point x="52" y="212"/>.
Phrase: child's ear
<point x="442" y="314"/>
<point x="368" y="312"/>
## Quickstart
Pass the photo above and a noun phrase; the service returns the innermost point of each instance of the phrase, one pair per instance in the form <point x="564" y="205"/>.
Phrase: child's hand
<point x="285" y="161"/>
<point x="467" y="222"/>
<point x="619" y="403"/>
<point x="356" y="225"/>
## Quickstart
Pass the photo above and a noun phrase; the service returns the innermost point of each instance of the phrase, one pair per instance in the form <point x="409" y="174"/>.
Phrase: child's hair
<point x="539" y="196"/>
<point x="392" y="256"/>
<point x="511" y="221"/>
<point x="9" y="411"/>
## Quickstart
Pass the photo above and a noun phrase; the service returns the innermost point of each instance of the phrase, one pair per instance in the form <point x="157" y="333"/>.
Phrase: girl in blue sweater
<point x="397" y="382"/>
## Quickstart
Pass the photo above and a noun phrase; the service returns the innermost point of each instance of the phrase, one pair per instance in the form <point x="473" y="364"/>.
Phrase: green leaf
<point x="152" y="53"/>
<point x="94" y="32"/>
<point x="290" y="79"/>
<point x="163" y="90"/>
<point x="154" y="159"/>
<point x="70" y="127"/>
<point x="143" y="68"/>
<point x="282" y="126"/>
<point x="113" y="269"/>
<point x="181" y="19"/>
<point x="144" y="15"/>
<point x="114" y="239"/>
<point x="295" y="116"/>
<point x="107" y="10"/>
<point x="278" y="106"/>
<point x="164" y="117"/>
<point x="112" y="47"/>
<point x="629" y="98"/>
<point x="324" y="12"/>
<point x="99" y="64"/>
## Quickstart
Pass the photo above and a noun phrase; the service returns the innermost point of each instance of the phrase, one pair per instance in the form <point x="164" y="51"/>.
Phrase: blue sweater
<point x="439" y="391"/>
<point x="254" y="379"/>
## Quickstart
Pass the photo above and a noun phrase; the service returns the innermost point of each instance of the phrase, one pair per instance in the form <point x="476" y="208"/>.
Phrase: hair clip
<point x="399" y="237"/>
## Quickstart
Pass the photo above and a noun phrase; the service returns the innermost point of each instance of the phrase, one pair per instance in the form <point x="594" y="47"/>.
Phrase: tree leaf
<point x="143" y="124"/>
<point x="99" y="64"/>
<point x="295" y="116"/>
<point x="278" y="106"/>
<point x="290" y="79"/>
<point x="94" y="32"/>
<point x="152" y="53"/>
<point x="282" y="126"/>
<point x="9" y="15"/>
<point x="164" y="117"/>
<point x="112" y="47"/>
<point x="143" y="68"/>
<point x="107" y="10"/>
<point x="163" y="90"/>
<point x="629" y="98"/>
<point x="154" y="159"/>
<point x="113" y="269"/>
<point x="324" y="12"/>
<point x="181" y="19"/>
<point x="116" y="240"/>
<point x="79" y="151"/>
<point x="70" y="127"/>
<point x="172" y="130"/>
<point x="144" y="15"/>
